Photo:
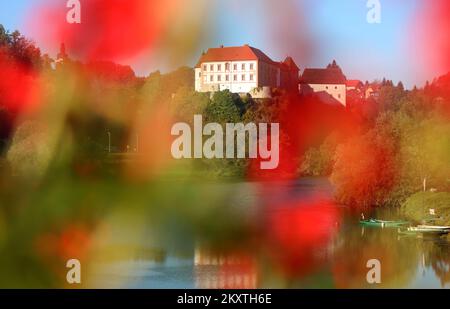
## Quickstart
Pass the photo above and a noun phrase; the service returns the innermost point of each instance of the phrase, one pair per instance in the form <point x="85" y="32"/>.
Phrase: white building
<point x="242" y="69"/>
<point x="328" y="84"/>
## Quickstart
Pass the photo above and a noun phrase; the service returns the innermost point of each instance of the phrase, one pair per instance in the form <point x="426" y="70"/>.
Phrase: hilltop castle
<point x="246" y="69"/>
<point x="242" y="69"/>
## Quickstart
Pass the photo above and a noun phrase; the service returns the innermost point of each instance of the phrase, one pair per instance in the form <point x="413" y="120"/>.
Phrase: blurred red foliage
<point x="71" y="243"/>
<point x="109" y="29"/>
<point x="304" y="121"/>
<point x="20" y="87"/>
<point x="431" y="35"/>
<point x="110" y="71"/>
<point x="298" y="233"/>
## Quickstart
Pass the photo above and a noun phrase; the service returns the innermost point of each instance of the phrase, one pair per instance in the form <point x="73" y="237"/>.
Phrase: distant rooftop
<point x="332" y="74"/>
<point x="289" y="64"/>
<point x="234" y="53"/>
<point x="323" y="76"/>
<point x="354" y="83"/>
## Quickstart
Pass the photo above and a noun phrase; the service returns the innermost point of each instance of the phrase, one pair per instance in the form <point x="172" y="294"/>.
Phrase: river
<point x="295" y="237"/>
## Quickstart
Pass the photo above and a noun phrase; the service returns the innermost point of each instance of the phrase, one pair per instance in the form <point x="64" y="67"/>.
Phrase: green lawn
<point x="417" y="206"/>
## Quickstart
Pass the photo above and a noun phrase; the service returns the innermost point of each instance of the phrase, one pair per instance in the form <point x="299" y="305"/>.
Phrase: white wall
<point x="212" y="76"/>
<point x="337" y="91"/>
<point x="198" y="78"/>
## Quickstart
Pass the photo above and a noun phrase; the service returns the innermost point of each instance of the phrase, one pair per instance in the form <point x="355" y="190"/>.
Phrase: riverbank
<point x="417" y="206"/>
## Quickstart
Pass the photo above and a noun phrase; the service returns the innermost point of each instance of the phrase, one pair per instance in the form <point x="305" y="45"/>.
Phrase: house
<point x="242" y="69"/>
<point x="372" y="91"/>
<point x="355" y="89"/>
<point x="354" y="84"/>
<point x="329" y="84"/>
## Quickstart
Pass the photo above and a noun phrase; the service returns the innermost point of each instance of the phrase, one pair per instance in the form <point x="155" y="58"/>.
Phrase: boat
<point x="383" y="223"/>
<point x="420" y="234"/>
<point x="425" y="230"/>
<point x="434" y="227"/>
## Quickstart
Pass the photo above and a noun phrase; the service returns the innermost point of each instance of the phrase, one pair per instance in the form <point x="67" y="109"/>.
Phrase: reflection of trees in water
<point x="398" y="258"/>
<point x="290" y="243"/>
<point x="436" y="254"/>
<point x="130" y="252"/>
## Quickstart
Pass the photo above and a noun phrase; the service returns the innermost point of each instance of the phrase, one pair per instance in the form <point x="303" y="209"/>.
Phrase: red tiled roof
<point x="291" y="63"/>
<point x="236" y="53"/>
<point x="288" y="65"/>
<point x="323" y="76"/>
<point x="354" y="83"/>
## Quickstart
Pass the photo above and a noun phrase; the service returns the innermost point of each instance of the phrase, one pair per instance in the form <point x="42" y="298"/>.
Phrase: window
<point x="211" y="78"/>
<point x="219" y="67"/>
<point x="227" y="77"/>
<point x="326" y="87"/>
<point x="211" y="67"/>
<point x="339" y="96"/>
<point x="227" y="66"/>
<point x="205" y="67"/>
<point x="235" y="67"/>
<point x="251" y="76"/>
<point x="219" y="78"/>
<point x="243" y="67"/>
<point x="235" y="77"/>
<point x="335" y="87"/>
<point x="199" y="74"/>
<point x="251" y="66"/>
<point x="243" y="77"/>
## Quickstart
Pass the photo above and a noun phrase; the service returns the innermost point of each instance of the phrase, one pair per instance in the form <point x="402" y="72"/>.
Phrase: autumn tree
<point x="365" y="171"/>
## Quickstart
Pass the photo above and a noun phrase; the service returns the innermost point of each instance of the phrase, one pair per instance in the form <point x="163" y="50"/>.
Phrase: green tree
<point x="5" y="128"/>
<point x="152" y="88"/>
<point x="224" y="107"/>
<point x="320" y="161"/>
<point x="390" y="96"/>
<point x="265" y="111"/>
<point x="19" y="49"/>
<point x="186" y="103"/>
<point x="407" y="150"/>
<point x="425" y="154"/>
<point x="30" y="153"/>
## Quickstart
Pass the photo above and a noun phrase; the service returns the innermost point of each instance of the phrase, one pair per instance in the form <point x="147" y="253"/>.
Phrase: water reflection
<point x="224" y="270"/>
<point x="293" y="237"/>
<point x="436" y="254"/>
<point x="398" y="258"/>
<point x="298" y="235"/>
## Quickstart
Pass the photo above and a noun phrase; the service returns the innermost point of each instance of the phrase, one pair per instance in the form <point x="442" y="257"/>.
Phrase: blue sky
<point x="337" y="28"/>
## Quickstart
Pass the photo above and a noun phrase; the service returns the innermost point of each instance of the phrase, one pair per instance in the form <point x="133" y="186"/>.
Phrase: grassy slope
<point x="417" y="206"/>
